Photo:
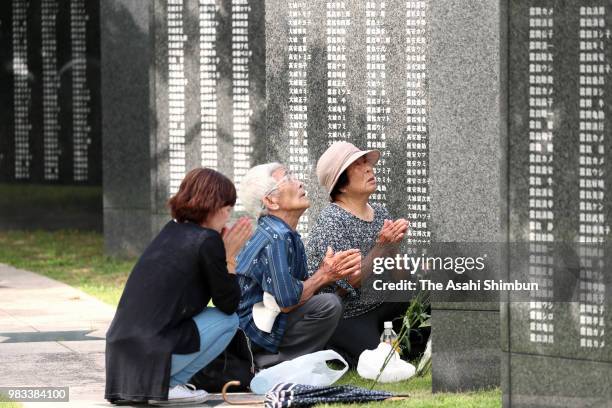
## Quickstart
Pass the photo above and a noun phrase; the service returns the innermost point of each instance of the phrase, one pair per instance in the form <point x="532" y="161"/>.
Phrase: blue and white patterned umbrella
<point x="284" y="395"/>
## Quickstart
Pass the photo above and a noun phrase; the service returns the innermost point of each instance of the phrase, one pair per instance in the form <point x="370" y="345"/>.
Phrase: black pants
<point x="356" y="334"/>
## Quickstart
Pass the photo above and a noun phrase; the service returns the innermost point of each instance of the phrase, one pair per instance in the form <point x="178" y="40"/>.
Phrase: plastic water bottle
<point x="389" y="336"/>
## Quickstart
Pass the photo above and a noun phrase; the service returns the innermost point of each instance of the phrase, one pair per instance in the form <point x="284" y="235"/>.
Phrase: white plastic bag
<point x="371" y="361"/>
<point x="310" y="369"/>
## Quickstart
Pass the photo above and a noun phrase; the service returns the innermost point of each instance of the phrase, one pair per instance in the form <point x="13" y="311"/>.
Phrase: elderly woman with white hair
<point x="352" y="221"/>
<point x="279" y="309"/>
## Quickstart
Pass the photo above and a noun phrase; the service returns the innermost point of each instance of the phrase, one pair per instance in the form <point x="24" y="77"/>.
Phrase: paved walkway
<point x="52" y="335"/>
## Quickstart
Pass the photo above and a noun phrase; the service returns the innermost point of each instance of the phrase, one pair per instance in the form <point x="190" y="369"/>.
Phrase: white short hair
<point x="255" y="184"/>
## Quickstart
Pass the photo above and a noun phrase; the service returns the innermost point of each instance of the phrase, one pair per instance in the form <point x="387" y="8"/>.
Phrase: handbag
<point x="234" y="364"/>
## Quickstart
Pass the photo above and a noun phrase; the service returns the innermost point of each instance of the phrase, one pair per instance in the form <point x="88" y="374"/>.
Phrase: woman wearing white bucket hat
<point x="350" y="221"/>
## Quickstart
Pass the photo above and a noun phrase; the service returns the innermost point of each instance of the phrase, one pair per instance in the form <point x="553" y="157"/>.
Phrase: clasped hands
<point x="392" y="231"/>
<point x="347" y="264"/>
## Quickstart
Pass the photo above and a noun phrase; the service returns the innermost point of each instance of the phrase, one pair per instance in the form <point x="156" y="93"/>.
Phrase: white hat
<point x="337" y="158"/>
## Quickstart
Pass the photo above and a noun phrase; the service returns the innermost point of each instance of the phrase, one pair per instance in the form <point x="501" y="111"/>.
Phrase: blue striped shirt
<point x="273" y="261"/>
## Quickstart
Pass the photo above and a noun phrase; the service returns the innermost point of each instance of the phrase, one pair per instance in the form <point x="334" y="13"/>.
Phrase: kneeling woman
<point x="163" y="331"/>
<point x="347" y="174"/>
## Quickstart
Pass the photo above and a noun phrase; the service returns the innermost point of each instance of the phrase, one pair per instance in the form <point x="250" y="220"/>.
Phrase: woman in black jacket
<point x="163" y="331"/>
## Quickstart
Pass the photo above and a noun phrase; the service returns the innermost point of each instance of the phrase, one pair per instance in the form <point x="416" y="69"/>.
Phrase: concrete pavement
<point x="52" y="335"/>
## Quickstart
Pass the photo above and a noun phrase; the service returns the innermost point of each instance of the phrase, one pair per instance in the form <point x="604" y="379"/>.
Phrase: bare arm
<point x="387" y="245"/>
<point x="334" y="267"/>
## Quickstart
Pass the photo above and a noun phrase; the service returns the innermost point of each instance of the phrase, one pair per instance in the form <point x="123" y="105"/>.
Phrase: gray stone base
<point x="466" y="350"/>
<point x="542" y="381"/>
<point x="126" y="232"/>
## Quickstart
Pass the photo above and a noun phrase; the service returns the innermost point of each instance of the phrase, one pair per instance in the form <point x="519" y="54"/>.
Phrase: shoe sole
<point x="179" y="401"/>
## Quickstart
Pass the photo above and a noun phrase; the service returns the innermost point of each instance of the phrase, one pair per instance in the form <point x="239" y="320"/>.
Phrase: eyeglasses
<point x="288" y="177"/>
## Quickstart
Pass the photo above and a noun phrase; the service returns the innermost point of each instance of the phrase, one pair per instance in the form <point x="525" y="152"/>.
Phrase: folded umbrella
<point x="285" y="395"/>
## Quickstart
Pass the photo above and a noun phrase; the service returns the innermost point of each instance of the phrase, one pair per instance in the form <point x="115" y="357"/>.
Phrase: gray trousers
<point x="309" y="328"/>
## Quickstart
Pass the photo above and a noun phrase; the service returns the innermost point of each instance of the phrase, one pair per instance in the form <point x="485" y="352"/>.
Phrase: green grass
<point x="10" y="404"/>
<point x="420" y="395"/>
<point x="72" y="257"/>
<point x="76" y="258"/>
<point x="6" y="403"/>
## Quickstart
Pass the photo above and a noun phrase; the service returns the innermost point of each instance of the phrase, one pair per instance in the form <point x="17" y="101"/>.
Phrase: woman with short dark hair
<point x="163" y="331"/>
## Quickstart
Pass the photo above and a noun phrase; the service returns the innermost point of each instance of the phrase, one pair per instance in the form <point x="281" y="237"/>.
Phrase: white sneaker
<point x="183" y="394"/>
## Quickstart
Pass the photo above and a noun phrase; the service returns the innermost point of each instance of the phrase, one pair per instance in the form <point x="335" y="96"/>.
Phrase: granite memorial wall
<point x="50" y="92"/>
<point x="332" y="70"/>
<point x="50" y="115"/>
<point x="183" y="85"/>
<point x="491" y="98"/>
<point x="468" y="158"/>
<point x="364" y="71"/>
<point x="383" y="74"/>
<point x="560" y="177"/>
<point x="466" y="100"/>
<point x="356" y="71"/>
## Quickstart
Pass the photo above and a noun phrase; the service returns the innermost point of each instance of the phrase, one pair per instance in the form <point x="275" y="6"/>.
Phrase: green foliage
<point x="416" y="317"/>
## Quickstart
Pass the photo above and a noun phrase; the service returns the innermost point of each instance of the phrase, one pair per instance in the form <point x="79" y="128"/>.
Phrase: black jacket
<point x="172" y="281"/>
